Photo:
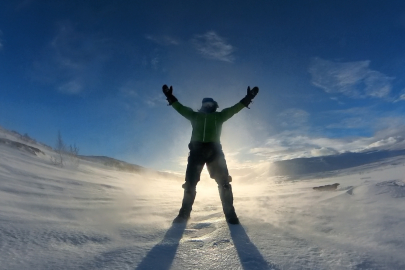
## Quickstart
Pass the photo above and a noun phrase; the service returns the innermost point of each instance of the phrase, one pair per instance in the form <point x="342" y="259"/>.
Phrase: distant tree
<point x="74" y="150"/>
<point x="60" y="145"/>
<point x="65" y="155"/>
<point x="27" y="138"/>
<point x="73" y="154"/>
<point x="60" y="150"/>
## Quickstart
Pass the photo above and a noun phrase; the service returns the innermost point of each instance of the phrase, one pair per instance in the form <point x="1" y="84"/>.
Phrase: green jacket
<point x="207" y="126"/>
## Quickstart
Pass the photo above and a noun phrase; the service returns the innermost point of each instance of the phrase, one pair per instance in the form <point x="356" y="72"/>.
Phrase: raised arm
<point x="227" y="113"/>
<point x="181" y="109"/>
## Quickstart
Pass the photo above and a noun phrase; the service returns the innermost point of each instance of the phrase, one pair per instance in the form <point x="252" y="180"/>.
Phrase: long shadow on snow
<point x="161" y="256"/>
<point x="249" y="255"/>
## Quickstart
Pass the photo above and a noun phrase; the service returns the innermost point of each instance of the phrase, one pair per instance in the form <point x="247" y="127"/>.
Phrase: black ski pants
<point x="208" y="153"/>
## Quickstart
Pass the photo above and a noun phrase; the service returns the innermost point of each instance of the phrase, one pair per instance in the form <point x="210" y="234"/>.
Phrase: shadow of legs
<point x="248" y="253"/>
<point x="161" y="256"/>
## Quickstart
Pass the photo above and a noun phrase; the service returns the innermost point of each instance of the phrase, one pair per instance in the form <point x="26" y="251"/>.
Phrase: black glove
<point x="249" y="96"/>
<point x="169" y="94"/>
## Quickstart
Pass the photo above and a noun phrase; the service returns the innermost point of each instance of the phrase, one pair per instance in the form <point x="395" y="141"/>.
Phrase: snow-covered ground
<point x="94" y="217"/>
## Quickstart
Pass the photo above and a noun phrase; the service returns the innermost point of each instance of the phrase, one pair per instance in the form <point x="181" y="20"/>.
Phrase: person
<point x="205" y="149"/>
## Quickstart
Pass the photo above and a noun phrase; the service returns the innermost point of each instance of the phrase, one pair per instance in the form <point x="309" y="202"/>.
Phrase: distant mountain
<point x="122" y="165"/>
<point x="25" y="139"/>
<point x="112" y="162"/>
<point x="293" y="167"/>
<point x="25" y="143"/>
<point x="301" y="166"/>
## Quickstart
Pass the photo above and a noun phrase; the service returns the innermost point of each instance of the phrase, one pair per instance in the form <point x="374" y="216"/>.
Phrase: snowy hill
<point x="302" y="166"/>
<point x="125" y="166"/>
<point x="25" y="143"/>
<point x="97" y="217"/>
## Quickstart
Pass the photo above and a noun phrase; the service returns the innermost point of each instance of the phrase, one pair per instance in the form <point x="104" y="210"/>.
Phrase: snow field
<point x="93" y="217"/>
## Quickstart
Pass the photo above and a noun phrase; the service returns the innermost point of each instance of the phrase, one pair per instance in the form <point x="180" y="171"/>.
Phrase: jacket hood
<point x="209" y="105"/>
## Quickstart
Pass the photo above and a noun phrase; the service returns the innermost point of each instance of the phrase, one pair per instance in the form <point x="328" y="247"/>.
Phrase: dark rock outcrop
<point x="21" y="146"/>
<point x="332" y="187"/>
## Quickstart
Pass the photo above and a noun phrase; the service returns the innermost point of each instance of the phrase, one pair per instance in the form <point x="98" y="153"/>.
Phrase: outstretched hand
<point x="167" y="91"/>
<point x="169" y="94"/>
<point x="252" y="92"/>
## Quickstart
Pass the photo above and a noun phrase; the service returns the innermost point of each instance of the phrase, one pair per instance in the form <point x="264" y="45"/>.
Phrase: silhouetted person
<point x="205" y="148"/>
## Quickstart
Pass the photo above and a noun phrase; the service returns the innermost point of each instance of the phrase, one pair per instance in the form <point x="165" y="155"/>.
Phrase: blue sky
<point x="331" y="75"/>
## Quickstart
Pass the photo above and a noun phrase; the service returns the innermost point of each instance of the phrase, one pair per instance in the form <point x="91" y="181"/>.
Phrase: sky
<point x="330" y="75"/>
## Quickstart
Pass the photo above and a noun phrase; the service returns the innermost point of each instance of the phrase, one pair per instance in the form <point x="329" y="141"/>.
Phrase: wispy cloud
<point x="293" y="144"/>
<point x="390" y="135"/>
<point x="24" y="4"/>
<point x="293" y="118"/>
<point x="134" y="92"/>
<point x="213" y="46"/>
<point x="350" y="123"/>
<point x="129" y="90"/>
<point x="401" y="96"/>
<point x="154" y="60"/>
<point x="387" y="142"/>
<point x="353" y="79"/>
<point x="72" y="60"/>
<point x="352" y="118"/>
<point x="1" y="42"/>
<point x="163" y="40"/>
<point x="71" y="87"/>
<point x="288" y="145"/>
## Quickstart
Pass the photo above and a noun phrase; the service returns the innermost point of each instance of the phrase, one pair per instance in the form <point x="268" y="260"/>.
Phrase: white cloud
<point x="289" y="145"/>
<point x="387" y="142"/>
<point x="353" y="79"/>
<point x="323" y="151"/>
<point x="212" y="46"/>
<point x="390" y="127"/>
